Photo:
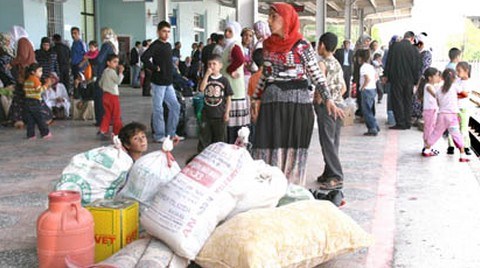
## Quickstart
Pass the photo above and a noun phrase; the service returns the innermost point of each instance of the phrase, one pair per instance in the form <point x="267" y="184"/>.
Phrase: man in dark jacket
<point x="207" y="51"/>
<point x="344" y="56"/>
<point x="135" y="65"/>
<point x="402" y="71"/>
<point x="63" y="59"/>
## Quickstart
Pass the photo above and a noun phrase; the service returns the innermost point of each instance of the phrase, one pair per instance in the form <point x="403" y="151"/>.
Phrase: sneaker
<point x="178" y="138"/>
<point x="468" y="151"/>
<point x="32" y="138"/>
<point x="333" y="184"/>
<point x="370" y="134"/>
<point x="48" y="136"/>
<point x="103" y="137"/>
<point x="429" y="154"/>
<point x="450" y="150"/>
<point x="464" y="159"/>
<point x="436" y="152"/>
<point x="160" y="140"/>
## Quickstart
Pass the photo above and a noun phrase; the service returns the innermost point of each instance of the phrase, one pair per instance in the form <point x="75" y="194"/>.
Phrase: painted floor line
<point x="380" y="255"/>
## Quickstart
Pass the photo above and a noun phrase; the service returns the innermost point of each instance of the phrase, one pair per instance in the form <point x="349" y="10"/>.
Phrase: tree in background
<point x="468" y="42"/>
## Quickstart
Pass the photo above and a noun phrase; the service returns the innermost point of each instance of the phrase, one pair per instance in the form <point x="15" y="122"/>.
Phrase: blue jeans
<point x="135" y="75"/>
<point x="167" y="94"/>
<point x="368" y="102"/>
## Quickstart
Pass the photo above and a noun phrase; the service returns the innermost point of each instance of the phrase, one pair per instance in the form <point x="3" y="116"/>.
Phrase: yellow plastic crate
<point x="116" y="225"/>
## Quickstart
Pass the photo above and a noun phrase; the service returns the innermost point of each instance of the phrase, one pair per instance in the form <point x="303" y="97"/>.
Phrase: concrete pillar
<point x="163" y="10"/>
<point x="348" y="19"/>
<point x="321" y="17"/>
<point x="361" y="22"/>
<point x="247" y="12"/>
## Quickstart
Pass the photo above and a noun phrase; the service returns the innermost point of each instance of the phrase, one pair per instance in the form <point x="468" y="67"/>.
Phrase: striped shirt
<point x="33" y="88"/>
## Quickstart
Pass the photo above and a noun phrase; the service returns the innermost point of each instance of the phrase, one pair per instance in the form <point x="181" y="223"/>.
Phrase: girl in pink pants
<point x="427" y="93"/>
<point x="447" y="117"/>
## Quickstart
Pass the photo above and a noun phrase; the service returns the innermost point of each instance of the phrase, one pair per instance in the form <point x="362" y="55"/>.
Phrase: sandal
<point x="333" y="184"/>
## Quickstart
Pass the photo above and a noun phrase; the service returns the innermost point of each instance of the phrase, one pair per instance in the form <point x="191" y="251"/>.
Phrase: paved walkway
<point x="422" y="212"/>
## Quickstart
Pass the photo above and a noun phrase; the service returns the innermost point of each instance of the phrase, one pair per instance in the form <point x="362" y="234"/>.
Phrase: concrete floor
<point x="423" y="212"/>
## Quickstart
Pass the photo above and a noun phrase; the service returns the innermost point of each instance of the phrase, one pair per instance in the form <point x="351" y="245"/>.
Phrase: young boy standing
<point x="32" y="110"/>
<point x="329" y="127"/>
<point x="111" y="102"/>
<point x="216" y="111"/>
<point x="454" y="54"/>
<point x="158" y="59"/>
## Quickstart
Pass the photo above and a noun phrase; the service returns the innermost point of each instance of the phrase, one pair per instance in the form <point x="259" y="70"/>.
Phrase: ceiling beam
<point x="334" y="6"/>
<point x="369" y="10"/>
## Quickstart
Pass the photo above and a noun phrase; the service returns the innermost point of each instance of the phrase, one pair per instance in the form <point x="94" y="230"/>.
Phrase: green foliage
<point x="376" y="35"/>
<point x="469" y="42"/>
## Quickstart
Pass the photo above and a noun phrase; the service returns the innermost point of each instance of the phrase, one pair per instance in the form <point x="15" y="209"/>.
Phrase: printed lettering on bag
<point x="73" y="182"/>
<point x="132" y="236"/>
<point x="202" y="172"/>
<point x="100" y="158"/>
<point x="105" y="239"/>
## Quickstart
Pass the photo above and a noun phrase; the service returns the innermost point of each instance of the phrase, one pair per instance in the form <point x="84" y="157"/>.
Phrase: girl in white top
<point x="447" y="116"/>
<point x="427" y="92"/>
<point x="463" y="88"/>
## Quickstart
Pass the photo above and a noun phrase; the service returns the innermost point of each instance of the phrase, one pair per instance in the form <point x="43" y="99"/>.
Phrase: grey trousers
<point x="329" y="134"/>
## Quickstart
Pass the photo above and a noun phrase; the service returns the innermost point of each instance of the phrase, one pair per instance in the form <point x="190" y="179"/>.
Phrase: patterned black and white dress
<point x="285" y="122"/>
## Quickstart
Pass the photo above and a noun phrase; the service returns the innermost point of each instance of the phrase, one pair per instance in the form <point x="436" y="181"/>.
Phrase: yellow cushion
<point x="301" y="234"/>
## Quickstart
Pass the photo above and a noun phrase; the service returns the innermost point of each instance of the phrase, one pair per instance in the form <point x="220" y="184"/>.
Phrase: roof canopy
<point x="374" y="11"/>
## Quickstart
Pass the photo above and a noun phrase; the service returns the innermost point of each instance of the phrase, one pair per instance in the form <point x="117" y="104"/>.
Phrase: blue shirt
<point x="78" y="50"/>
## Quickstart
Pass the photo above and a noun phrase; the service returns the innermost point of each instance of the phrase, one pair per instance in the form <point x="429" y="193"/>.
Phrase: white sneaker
<point x="179" y="138"/>
<point x="161" y="140"/>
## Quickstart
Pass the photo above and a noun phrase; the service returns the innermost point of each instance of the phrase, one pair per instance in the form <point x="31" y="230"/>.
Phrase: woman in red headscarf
<point x="285" y="121"/>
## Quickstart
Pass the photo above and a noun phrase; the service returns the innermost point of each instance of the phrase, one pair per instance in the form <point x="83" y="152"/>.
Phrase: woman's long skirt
<point x="284" y="129"/>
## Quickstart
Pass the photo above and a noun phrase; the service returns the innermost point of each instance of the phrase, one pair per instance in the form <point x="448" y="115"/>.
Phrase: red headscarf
<point x="291" y="26"/>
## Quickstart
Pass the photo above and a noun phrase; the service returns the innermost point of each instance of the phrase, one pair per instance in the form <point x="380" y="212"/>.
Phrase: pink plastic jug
<point x="65" y="229"/>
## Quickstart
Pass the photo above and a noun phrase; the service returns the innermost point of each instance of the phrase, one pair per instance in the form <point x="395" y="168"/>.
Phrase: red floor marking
<point x="383" y="227"/>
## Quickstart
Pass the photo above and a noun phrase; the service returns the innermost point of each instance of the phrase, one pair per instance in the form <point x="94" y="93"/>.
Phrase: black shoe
<point x="398" y="127"/>
<point x="450" y="150"/>
<point x="468" y="151"/>
<point x="370" y="134"/>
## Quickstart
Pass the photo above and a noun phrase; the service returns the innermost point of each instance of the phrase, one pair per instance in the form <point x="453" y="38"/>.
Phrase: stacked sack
<point x="148" y="175"/>
<point x="185" y="211"/>
<point x="98" y="173"/>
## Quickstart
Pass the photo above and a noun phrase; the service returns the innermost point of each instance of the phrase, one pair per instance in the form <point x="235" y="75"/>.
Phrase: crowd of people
<point x="259" y="77"/>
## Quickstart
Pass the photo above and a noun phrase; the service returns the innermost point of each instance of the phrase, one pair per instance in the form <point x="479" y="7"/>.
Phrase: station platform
<point x="423" y="212"/>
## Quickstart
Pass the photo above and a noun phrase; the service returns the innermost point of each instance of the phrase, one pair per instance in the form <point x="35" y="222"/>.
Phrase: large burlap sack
<point x="147" y="175"/>
<point x="185" y="212"/>
<point x="265" y="189"/>
<point x="96" y="174"/>
<point x="302" y="234"/>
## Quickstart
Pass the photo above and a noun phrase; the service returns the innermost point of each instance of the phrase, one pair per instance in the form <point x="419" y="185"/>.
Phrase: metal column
<point x="348" y="19"/>
<point x="321" y="17"/>
<point x="163" y="9"/>
<point x="247" y="12"/>
<point x="361" y="22"/>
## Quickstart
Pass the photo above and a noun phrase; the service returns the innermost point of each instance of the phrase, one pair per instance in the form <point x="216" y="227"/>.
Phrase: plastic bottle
<point x="64" y="230"/>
